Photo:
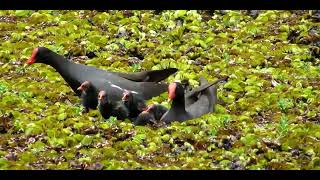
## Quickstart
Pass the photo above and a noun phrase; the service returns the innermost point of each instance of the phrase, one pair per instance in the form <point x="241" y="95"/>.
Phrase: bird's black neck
<point x="179" y="104"/>
<point x="55" y="60"/>
<point x="62" y="66"/>
<point x="91" y="89"/>
<point x="106" y="104"/>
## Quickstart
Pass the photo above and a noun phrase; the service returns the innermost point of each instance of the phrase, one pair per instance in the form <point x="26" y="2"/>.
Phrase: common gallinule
<point x="109" y="108"/>
<point x="202" y="100"/>
<point x="88" y="96"/>
<point x="199" y="102"/>
<point x="144" y="83"/>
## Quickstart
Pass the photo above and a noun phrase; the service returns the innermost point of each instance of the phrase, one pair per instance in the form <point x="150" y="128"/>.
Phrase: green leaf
<point x="112" y="120"/>
<point x="87" y="140"/>
<point x="283" y="125"/>
<point x="85" y="159"/>
<point x="180" y="13"/>
<point x="62" y="116"/>
<point x="23" y="13"/>
<point x="209" y="39"/>
<point x="249" y="139"/>
<point x="3" y="88"/>
<point x="139" y="138"/>
<point x="38" y="147"/>
<point x="194" y="28"/>
<point x="3" y="164"/>
<point x="57" y="142"/>
<point x="32" y="129"/>
<point x="234" y="84"/>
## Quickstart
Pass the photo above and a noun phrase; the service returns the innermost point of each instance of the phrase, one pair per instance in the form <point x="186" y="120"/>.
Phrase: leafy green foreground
<point x="268" y="117"/>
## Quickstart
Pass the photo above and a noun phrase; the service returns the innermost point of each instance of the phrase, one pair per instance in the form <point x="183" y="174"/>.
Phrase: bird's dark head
<point x="175" y="90"/>
<point x="102" y="96"/>
<point x="39" y="55"/>
<point x="144" y="118"/>
<point x="84" y="86"/>
<point x="126" y="95"/>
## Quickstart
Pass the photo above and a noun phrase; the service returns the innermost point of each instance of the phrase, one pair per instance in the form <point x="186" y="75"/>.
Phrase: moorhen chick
<point x="134" y="103"/>
<point x="151" y="115"/>
<point x="109" y="108"/>
<point x="88" y="96"/>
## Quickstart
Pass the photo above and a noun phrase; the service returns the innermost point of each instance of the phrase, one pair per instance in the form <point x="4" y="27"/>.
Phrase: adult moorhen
<point x="109" y="108"/>
<point x="200" y="101"/>
<point x="144" y="83"/>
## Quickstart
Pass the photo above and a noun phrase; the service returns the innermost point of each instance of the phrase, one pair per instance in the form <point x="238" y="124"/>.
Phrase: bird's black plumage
<point x="151" y="115"/>
<point x="109" y="108"/>
<point x="145" y="83"/>
<point x="88" y="96"/>
<point x="200" y="101"/>
<point x="134" y="103"/>
<point x="144" y="118"/>
<point x="157" y="110"/>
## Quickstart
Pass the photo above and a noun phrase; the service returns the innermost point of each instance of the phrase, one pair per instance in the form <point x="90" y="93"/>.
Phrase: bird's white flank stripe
<point x="118" y="87"/>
